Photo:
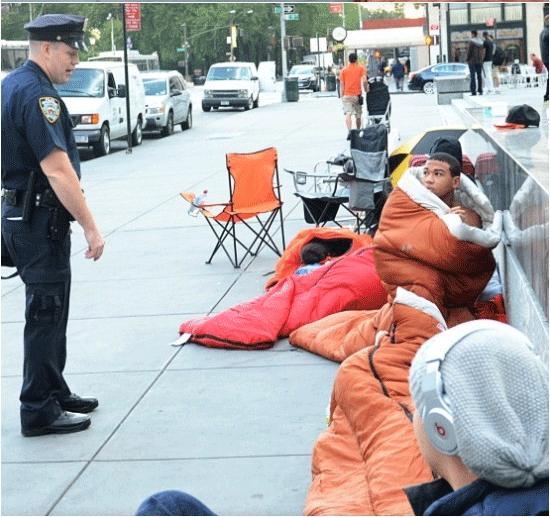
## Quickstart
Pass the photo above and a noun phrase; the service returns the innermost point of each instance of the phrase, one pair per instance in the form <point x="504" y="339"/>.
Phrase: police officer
<point x="41" y="195"/>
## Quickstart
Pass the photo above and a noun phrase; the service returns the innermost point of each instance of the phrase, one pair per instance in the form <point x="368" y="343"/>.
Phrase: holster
<point x="58" y="224"/>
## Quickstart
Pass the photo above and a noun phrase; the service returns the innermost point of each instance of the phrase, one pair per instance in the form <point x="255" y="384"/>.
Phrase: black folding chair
<point x="370" y="182"/>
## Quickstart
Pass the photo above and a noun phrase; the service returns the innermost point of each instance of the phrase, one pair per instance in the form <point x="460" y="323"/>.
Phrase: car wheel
<point x="428" y="88"/>
<point x="257" y="101"/>
<point x="103" y="146"/>
<point x="250" y="104"/>
<point x="188" y="122"/>
<point x="168" y="129"/>
<point x="137" y="133"/>
<point x="205" y="108"/>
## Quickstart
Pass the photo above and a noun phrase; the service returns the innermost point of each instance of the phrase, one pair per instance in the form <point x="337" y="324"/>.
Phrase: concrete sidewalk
<point x="234" y="428"/>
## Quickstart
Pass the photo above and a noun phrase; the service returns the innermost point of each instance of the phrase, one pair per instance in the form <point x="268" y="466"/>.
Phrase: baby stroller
<point x="369" y="184"/>
<point x="378" y="103"/>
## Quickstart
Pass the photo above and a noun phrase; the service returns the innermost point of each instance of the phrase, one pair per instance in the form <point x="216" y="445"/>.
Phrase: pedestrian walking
<point x="408" y="66"/>
<point x="544" y="52"/>
<point x="398" y="72"/>
<point x="353" y="79"/>
<point x="474" y="58"/>
<point x="489" y="48"/>
<point x="41" y="196"/>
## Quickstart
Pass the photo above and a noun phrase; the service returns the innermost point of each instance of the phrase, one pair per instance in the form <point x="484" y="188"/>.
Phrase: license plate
<point x="81" y="139"/>
<point x="224" y="103"/>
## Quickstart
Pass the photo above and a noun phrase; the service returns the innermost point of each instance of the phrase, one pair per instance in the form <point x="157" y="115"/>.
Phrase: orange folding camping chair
<point x="254" y="191"/>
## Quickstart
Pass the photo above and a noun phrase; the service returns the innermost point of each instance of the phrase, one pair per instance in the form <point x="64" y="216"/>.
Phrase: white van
<point x="95" y="96"/>
<point x="231" y="84"/>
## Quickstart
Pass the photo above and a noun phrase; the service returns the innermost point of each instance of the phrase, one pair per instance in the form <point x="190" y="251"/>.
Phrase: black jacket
<point x="478" y="498"/>
<point x="544" y="46"/>
<point x="489" y="47"/>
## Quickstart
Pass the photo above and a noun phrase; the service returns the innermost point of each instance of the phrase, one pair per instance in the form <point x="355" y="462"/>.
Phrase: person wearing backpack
<point x="489" y="48"/>
<point x="474" y="58"/>
<point x="498" y="61"/>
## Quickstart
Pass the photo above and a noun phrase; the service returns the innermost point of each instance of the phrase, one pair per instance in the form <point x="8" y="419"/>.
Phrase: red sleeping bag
<point x="346" y="283"/>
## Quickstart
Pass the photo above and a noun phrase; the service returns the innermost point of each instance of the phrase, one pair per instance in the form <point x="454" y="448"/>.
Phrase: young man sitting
<point x="481" y="422"/>
<point x="441" y="176"/>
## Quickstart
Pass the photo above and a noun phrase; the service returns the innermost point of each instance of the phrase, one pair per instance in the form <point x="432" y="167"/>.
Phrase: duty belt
<point x="45" y="199"/>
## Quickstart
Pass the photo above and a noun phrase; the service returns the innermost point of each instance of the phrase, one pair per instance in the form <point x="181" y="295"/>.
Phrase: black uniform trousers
<point x="44" y="267"/>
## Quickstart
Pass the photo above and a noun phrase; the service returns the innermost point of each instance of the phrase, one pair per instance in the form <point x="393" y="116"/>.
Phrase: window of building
<point x="458" y="14"/>
<point x="481" y="12"/>
<point x="513" y="11"/>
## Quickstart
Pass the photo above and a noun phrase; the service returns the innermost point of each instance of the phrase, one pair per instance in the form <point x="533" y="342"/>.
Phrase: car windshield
<point x="301" y="70"/>
<point x="232" y="73"/>
<point x="84" y="82"/>
<point x="154" y="87"/>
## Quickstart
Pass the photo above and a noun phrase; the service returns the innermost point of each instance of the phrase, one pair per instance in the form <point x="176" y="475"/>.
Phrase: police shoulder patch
<point x="51" y="108"/>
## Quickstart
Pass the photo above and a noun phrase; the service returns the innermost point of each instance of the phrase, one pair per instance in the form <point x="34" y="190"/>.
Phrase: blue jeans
<point x="172" y="502"/>
<point x="475" y="70"/>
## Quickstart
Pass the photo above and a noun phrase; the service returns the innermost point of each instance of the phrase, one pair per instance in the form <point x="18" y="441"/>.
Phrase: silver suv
<point x="167" y="102"/>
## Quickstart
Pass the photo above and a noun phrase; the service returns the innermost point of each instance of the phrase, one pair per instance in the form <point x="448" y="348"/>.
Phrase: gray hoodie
<point x="476" y="52"/>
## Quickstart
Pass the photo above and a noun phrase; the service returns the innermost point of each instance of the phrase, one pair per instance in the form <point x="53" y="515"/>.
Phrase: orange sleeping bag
<point x="433" y="266"/>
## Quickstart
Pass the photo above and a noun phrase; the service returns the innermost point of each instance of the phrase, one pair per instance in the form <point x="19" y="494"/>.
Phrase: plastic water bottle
<point x="194" y="209"/>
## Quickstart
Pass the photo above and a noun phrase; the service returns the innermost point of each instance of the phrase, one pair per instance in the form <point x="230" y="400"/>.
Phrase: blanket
<point x="433" y="267"/>
<point x="346" y="283"/>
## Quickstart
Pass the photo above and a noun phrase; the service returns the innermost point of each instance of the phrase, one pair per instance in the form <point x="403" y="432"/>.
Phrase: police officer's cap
<point x="68" y="28"/>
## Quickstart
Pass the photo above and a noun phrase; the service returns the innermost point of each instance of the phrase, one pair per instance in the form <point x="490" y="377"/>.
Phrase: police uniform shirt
<point x="35" y="122"/>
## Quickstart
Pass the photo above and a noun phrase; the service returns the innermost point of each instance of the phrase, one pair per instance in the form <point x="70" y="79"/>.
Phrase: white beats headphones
<point x="437" y="416"/>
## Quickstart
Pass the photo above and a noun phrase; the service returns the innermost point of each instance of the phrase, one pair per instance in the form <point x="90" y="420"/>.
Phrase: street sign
<point x="180" y="49"/>
<point x="317" y="45"/>
<point x="428" y="40"/>
<point x="292" y="17"/>
<point x="434" y="29"/>
<point x="132" y="12"/>
<point x="335" y="8"/>
<point x="289" y="8"/>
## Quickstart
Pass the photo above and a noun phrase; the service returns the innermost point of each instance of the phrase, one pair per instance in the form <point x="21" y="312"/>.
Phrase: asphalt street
<point x="234" y="428"/>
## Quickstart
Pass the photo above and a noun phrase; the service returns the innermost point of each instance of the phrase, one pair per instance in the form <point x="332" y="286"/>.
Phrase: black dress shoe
<point x="78" y="404"/>
<point x="65" y="423"/>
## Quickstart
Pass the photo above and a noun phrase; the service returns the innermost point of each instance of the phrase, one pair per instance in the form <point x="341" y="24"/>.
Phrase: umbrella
<point x="419" y="144"/>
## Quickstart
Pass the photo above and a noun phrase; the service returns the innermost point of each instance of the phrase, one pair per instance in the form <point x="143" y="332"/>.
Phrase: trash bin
<point x="292" y="93"/>
<point x="331" y="83"/>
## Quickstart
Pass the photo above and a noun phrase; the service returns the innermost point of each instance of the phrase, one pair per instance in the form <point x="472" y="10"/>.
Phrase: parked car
<point x="307" y="75"/>
<point x="95" y="96"/>
<point x="424" y="78"/>
<point x="167" y="102"/>
<point x="231" y="84"/>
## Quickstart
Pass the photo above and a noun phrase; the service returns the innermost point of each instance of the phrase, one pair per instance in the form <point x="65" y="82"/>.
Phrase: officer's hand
<point x="95" y="244"/>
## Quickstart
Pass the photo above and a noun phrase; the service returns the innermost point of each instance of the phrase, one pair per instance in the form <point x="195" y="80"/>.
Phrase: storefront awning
<point x="385" y="38"/>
